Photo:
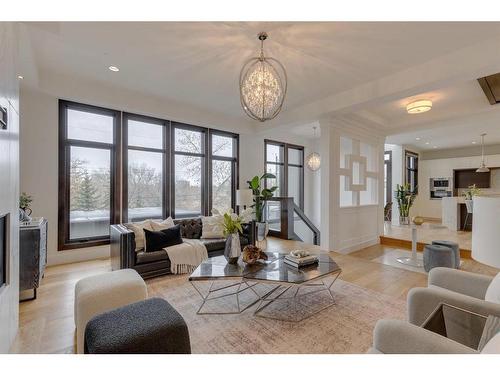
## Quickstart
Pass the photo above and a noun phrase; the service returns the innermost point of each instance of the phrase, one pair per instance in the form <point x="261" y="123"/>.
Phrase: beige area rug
<point x="345" y="327"/>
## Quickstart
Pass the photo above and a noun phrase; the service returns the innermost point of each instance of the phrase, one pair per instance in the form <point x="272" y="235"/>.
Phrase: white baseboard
<point x="355" y="247"/>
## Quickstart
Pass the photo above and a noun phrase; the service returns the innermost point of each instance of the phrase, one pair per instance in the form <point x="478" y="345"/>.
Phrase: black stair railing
<point x="281" y="218"/>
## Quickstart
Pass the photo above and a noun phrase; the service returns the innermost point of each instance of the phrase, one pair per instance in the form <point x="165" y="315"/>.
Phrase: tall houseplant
<point x="259" y="198"/>
<point x="405" y="198"/>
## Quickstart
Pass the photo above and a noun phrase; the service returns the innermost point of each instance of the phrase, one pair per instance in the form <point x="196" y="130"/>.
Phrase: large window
<point x="159" y="168"/>
<point x="223" y="168"/>
<point x="145" y="163"/>
<point x="189" y="170"/>
<point x="88" y="171"/>
<point x="286" y="162"/>
<point x="411" y="175"/>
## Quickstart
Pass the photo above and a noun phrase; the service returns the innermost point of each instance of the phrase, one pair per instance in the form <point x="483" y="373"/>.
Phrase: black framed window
<point x="146" y="143"/>
<point x="286" y="162"/>
<point x="189" y="166"/>
<point x="88" y="174"/>
<point x="224" y="152"/>
<point x="411" y="175"/>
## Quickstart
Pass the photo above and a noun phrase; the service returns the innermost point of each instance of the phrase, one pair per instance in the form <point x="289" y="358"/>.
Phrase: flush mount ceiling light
<point x="114" y="68"/>
<point x="313" y="161"/>
<point x="482" y="167"/>
<point x="263" y="85"/>
<point x="20" y="77"/>
<point x="419" y="106"/>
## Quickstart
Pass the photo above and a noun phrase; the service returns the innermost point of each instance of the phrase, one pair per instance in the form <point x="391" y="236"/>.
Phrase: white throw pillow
<point x="492" y="346"/>
<point x="493" y="291"/>
<point x="138" y="229"/>
<point x="165" y="224"/>
<point x="211" y="227"/>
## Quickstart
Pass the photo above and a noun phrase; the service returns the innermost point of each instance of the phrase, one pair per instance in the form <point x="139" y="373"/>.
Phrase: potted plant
<point x="469" y="194"/>
<point x="259" y="198"/>
<point x="405" y="198"/>
<point x="24" y="207"/>
<point x="231" y="224"/>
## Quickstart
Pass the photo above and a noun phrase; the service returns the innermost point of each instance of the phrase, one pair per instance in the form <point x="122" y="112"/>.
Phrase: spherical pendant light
<point x="313" y="160"/>
<point x="263" y="85"/>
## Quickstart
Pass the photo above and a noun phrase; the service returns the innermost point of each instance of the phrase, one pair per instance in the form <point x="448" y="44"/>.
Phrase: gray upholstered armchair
<point x="398" y="337"/>
<point x="458" y="288"/>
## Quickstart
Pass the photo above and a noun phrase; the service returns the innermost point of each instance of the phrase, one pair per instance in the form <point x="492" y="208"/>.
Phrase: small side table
<point x="460" y="325"/>
<point x="414" y="260"/>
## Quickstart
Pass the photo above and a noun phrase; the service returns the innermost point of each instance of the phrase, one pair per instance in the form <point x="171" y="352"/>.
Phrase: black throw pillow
<point x="155" y="241"/>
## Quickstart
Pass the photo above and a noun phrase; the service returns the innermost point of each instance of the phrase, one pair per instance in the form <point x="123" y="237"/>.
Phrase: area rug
<point x="345" y="327"/>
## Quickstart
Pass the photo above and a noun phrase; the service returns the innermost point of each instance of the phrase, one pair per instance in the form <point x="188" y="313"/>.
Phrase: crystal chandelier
<point x="263" y="84"/>
<point x="313" y="160"/>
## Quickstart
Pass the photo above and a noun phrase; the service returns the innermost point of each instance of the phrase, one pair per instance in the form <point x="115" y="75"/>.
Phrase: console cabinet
<point x="33" y="254"/>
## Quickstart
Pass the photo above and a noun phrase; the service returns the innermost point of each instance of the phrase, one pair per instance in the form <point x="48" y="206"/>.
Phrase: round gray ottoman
<point x="438" y="256"/>
<point x="453" y="246"/>
<point x="151" y="326"/>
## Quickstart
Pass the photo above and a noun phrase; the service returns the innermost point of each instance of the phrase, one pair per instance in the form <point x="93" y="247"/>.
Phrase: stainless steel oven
<point x="440" y="187"/>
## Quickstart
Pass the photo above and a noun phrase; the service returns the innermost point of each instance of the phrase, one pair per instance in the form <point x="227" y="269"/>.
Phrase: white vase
<point x="232" y="250"/>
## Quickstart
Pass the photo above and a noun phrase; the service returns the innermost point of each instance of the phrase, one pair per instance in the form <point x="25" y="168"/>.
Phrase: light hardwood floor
<point x="47" y="326"/>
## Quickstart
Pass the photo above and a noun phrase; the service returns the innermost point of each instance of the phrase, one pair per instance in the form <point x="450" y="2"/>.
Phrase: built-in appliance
<point x="440" y="187"/>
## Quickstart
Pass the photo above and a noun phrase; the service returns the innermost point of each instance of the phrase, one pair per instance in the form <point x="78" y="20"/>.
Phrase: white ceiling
<point x="369" y="71"/>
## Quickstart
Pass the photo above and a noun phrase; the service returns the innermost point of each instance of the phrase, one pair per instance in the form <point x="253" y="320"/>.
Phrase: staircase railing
<point x="282" y="224"/>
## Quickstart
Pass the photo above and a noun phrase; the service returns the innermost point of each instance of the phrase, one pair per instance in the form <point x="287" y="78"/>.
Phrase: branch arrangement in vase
<point x="405" y="198"/>
<point x="471" y="192"/>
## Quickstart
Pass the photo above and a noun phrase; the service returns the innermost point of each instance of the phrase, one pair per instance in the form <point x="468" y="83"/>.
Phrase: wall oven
<point x="440" y="187"/>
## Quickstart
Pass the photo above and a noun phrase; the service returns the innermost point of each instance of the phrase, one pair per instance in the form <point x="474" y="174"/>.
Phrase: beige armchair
<point x="458" y="288"/>
<point x="398" y="337"/>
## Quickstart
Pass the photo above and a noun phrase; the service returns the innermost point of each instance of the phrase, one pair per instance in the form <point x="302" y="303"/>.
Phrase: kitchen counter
<point x="485" y="230"/>
<point x="453" y="212"/>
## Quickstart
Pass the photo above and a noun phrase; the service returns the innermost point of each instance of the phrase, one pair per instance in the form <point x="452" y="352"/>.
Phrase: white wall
<point x="426" y="207"/>
<point x="348" y="229"/>
<point x="39" y="153"/>
<point x="9" y="183"/>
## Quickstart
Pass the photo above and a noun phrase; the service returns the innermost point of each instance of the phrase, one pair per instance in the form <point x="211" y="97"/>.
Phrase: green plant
<point x="260" y="195"/>
<point x="471" y="192"/>
<point x="405" y="198"/>
<point x="25" y="201"/>
<point x="231" y="223"/>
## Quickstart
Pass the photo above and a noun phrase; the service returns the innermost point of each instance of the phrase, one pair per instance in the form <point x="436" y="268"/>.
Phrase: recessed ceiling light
<point x="426" y="143"/>
<point x="20" y="77"/>
<point x="418" y="138"/>
<point x="419" y="106"/>
<point x="114" y="68"/>
<point x="473" y="142"/>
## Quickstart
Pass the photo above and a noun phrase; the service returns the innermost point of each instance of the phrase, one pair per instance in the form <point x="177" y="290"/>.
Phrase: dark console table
<point x="33" y="254"/>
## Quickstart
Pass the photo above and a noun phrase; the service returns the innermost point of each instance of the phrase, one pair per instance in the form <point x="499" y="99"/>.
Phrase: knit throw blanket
<point x="185" y="257"/>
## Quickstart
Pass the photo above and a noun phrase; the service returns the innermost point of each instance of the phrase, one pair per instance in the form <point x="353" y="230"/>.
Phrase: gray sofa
<point x="156" y="263"/>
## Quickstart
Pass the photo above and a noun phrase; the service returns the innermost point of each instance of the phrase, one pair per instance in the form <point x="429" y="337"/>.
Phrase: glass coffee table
<point x="281" y="291"/>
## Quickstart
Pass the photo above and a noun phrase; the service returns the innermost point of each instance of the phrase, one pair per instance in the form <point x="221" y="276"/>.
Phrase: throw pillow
<point x="138" y="229"/>
<point x="211" y="227"/>
<point x="164" y="238"/>
<point x="165" y="224"/>
<point x="493" y="291"/>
